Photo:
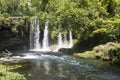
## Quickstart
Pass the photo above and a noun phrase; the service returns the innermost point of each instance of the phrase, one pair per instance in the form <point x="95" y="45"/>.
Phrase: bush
<point x="6" y="75"/>
<point x="116" y="60"/>
<point x="116" y="52"/>
<point x="6" y="15"/>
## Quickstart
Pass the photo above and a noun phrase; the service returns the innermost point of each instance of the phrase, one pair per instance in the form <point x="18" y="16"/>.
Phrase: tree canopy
<point x="86" y="18"/>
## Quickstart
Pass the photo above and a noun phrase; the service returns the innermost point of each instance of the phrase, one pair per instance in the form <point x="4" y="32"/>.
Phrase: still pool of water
<point x="52" y="66"/>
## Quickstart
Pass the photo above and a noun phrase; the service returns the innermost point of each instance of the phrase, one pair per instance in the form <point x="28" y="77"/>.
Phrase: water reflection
<point x="64" y="68"/>
<point x="46" y="65"/>
<point x="60" y="70"/>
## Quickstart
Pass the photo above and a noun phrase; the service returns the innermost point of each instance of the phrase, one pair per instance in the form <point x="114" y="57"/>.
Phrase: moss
<point x="87" y="54"/>
<point x="116" y="60"/>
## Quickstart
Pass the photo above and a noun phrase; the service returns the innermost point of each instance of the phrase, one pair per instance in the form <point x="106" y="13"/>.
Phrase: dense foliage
<point x="85" y="18"/>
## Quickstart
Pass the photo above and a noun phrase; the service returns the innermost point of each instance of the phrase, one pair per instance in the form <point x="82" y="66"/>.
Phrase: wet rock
<point x="66" y="50"/>
<point x="5" y="53"/>
<point x="11" y="41"/>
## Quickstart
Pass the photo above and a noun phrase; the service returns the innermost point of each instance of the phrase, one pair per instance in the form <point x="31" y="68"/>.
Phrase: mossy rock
<point x="106" y="58"/>
<point x="98" y="55"/>
<point x="66" y="50"/>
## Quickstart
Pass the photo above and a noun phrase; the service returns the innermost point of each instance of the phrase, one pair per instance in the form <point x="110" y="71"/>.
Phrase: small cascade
<point x="34" y="35"/>
<point x="37" y="36"/>
<point x="65" y="41"/>
<point x="70" y="39"/>
<point x="45" y="38"/>
<point x="60" y="42"/>
<point x="31" y="36"/>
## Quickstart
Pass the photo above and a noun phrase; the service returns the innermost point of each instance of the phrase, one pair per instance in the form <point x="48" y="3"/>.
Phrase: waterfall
<point x="65" y="43"/>
<point x="37" y="37"/>
<point x="45" y="38"/>
<point x="34" y="35"/>
<point x="60" y="42"/>
<point x="31" y="35"/>
<point x="70" y="39"/>
<point x="65" y="40"/>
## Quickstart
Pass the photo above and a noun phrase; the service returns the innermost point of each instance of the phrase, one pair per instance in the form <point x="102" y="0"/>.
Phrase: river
<point x="57" y="66"/>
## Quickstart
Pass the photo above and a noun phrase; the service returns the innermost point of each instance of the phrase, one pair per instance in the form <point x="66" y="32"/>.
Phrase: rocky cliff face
<point x="10" y="40"/>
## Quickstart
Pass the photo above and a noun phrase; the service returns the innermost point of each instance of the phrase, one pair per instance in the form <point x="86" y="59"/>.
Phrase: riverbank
<point x="107" y="52"/>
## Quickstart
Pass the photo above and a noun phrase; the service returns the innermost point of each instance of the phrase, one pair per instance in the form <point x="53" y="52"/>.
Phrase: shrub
<point x="6" y="75"/>
<point x="6" y="15"/>
<point x="11" y="76"/>
<point x="116" y="60"/>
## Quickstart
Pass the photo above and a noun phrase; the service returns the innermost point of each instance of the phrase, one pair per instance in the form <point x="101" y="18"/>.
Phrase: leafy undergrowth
<point x="6" y="75"/>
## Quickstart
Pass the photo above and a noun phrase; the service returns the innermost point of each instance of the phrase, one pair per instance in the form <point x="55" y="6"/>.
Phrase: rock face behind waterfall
<point x="10" y="41"/>
<point x="12" y="33"/>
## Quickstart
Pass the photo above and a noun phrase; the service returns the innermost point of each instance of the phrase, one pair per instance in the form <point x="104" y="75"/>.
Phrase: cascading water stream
<point x="31" y="35"/>
<point x="34" y="35"/>
<point x="37" y="36"/>
<point x="45" y="38"/>
<point x="65" y="41"/>
<point x="60" y="42"/>
<point x="70" y="39"/>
